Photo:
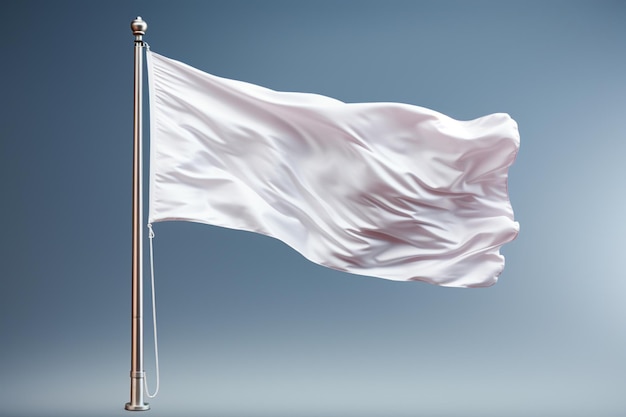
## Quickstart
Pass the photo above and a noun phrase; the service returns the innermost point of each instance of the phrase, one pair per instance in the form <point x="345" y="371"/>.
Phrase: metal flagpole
<point x="138" y="26"/>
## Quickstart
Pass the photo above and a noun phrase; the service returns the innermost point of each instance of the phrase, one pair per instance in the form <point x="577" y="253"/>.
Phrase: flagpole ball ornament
<point x="139" y="26"/>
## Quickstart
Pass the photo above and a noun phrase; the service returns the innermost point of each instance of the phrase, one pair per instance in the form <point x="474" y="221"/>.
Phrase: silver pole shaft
<point x="138" y="26"/>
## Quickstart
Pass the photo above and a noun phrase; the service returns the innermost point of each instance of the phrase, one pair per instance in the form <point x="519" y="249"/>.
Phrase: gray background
<point x="247" y="326"/>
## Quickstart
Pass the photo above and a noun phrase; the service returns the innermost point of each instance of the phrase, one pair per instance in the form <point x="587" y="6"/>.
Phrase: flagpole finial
<point x="138" y="26"/>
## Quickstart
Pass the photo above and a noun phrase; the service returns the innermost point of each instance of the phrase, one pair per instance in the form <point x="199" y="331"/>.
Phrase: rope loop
<point x="154" y="320"/>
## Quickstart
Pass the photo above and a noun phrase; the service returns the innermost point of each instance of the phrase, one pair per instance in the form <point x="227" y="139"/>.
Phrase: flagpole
<point x="138" y="26"/>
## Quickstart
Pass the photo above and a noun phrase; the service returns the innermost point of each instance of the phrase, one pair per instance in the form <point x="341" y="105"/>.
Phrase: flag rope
<point x="154" y="321"/>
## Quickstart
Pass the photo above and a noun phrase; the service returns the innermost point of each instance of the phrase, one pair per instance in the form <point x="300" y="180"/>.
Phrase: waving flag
<point x="388" y="190"/>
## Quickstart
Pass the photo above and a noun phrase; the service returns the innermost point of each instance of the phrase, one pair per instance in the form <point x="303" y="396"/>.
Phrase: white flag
<point x="388" y="190"/>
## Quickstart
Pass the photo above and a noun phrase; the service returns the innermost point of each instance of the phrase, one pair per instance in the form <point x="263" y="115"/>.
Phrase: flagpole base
<point x="136" y="402"/>
<point x="131" y="407"/>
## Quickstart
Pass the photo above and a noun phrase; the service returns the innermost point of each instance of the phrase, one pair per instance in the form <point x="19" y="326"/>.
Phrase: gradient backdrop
<point x="247" y="326"/>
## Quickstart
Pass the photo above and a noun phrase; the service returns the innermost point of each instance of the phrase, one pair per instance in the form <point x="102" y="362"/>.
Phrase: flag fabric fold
<point x="388" y="190"/>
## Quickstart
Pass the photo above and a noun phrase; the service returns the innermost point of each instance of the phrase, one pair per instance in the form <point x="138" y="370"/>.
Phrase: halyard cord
<point x="154" y="321"/>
